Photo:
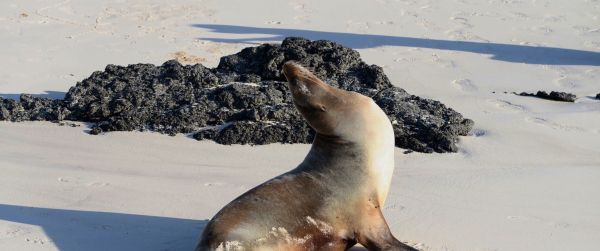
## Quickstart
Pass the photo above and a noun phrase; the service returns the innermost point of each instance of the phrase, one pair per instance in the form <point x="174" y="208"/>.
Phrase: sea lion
<point x="333" y="199"/>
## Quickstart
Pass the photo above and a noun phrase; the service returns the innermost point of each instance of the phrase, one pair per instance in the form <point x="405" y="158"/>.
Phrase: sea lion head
<point x="345" y="115"/>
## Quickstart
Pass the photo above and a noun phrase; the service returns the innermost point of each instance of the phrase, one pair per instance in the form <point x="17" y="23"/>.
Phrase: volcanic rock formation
<point x="244" y="100"/>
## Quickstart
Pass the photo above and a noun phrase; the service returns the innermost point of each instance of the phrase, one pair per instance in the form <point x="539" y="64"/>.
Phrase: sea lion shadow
<point x="514" y="53"/>
<point x="46" y="94"/>
<point x="92" y="230"/>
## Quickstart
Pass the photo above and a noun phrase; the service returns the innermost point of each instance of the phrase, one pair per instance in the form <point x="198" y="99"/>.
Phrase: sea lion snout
<point x="302" y="81"/>
<point x="316" y="100"/>
<point x="292" y="70"/>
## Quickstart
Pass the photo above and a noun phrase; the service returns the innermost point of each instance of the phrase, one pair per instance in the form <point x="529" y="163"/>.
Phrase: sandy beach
<point x="525" y="179"/>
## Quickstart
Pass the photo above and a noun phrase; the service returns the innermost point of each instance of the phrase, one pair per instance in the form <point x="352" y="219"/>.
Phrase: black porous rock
<point x="417" y="121"/>
<point x="30" y="108"/>
<point x="244" y="100"/>
<point x="556" y="96"/>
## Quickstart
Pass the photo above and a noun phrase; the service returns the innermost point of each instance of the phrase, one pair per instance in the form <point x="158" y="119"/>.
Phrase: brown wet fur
<point x="331" y="186"/>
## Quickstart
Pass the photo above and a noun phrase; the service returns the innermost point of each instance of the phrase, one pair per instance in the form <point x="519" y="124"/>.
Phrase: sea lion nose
<point x="291" y="70"/>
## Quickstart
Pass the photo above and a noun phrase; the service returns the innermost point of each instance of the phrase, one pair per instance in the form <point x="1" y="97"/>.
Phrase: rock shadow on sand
<point x="91" y="230"/>
<point x="46" y="94"/>
<point x="503" y="52"/>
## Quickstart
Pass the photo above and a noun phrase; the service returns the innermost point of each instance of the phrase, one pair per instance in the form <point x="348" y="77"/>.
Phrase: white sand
<point x="526" y="180"/>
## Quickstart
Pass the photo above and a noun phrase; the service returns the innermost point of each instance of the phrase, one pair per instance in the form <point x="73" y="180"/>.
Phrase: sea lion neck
<point x="328" y="151"/>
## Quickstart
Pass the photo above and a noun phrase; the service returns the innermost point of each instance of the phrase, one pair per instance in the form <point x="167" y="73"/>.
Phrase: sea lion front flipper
<point x="376" y="235"/>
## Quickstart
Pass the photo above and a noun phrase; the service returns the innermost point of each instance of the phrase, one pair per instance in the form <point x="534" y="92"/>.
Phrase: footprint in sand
<point x="462" y="21"/>
<point x="37" y="240"/>
<point x="462" y="34"/>
<point x="526" y="219"/>
<point x="393" y="206"/>
<point x="576" y="78"/>
<point x="507" y="1"/>
<point x="592" y="44"/>
<point x="98" y="184"/>
<point x="478" y="132"/>
<point x="507" y="105"/>
<point x="522" y="218"/>
<point x="67" y="179"/>
<point x="554" y="18"/>
<point x="465" y="85"/>
<point x="586" y="30"/>
<point x="304" y="12"/>
<point x="213" y="184"/>
<point x="11" y="231"/>
<point x="406" y="59"/>
<point x="541" y="29"/>
<point x="553" y="125"/>
<point x="445" y="63"/>
<point x="566" y="82"/>
<point x="384" y="22"/>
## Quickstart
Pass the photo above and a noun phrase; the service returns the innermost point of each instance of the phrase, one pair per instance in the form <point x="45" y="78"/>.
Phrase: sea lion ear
<point x="322" y="108"/>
